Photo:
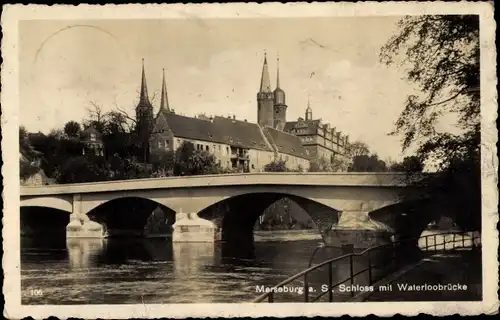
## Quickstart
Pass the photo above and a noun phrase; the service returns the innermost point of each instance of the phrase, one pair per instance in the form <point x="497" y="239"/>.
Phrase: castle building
<point x="320" y="139"/>
<point x="240" y="144"/>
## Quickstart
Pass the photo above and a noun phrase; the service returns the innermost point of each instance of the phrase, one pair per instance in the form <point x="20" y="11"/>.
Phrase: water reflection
<point x="158" y="271"/>
<point x="83" y="253"/>
<point x="190" y="258"/>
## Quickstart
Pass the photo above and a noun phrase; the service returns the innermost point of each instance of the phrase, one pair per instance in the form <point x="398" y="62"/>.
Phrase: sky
<point x="213" y="66"/>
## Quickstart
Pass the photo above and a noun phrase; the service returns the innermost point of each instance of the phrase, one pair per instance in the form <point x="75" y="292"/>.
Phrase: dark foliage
<point x="442" y="53"/>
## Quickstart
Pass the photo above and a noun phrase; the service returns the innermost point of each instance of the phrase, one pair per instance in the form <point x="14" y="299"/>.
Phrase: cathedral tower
<point x="265" y="99"/>
<point x="144" y="118"/>
<point x="279" y="102"/>
<point x="164" y="106"/>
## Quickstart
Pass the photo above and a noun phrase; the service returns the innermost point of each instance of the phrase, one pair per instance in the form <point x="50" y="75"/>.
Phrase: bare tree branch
<point x="125" y="113"/>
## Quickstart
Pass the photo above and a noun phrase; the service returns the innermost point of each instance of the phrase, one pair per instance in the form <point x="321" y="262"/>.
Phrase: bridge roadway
<point x="372" y="190"/>
<point x="322" y="195"/>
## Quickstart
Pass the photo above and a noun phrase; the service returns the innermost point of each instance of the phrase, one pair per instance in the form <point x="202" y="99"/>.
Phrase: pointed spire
<point x="164" y="97"/>
<point x="144" y="99"/>
<point x="265" y="83"/>
<point x="278" y="72"/>
<point x="308" y="109"/>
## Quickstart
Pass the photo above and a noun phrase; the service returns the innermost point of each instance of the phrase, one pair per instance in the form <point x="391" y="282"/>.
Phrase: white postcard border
<point x="10" y="150"/>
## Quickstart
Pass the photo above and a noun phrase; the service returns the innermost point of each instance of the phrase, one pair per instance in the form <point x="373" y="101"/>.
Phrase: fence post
<point x="435" y="244"/>
<point x="369" y="269"/>
<point x="463" y="240"/>
<point x="306" y="289"/>
<point x="351" y="271"/>
<point x="270" y="298"/>
<point x="330" y="282"/>
<point x="426" y="244"/>
<point x="453" y="242"/>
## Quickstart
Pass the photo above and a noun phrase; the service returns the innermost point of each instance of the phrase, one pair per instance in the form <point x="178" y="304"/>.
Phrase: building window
<point x="253" y="166"/>
<point x="219" y="148"/>
<point x="227" y="150"/>
<point x="179" y="141"/>
<point x="92" y="137"/>
<point x="208" y="148"/>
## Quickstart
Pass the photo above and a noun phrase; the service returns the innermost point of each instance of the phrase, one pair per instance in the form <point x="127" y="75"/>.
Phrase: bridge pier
<point x="357" y="229"/>
<point x="80" y="226"/>
<point x="190" y="228"/>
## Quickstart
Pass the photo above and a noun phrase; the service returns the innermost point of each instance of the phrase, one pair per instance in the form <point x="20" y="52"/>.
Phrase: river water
<point x="129" y="271"/>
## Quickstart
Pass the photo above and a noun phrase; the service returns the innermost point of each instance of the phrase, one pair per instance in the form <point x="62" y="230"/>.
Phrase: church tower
<point x="265" y="99"/>
<point x="279" y="102"/>
<point x="309" y="112"/>
<point x="164" y="106"/>
<point x="144" y="118"/>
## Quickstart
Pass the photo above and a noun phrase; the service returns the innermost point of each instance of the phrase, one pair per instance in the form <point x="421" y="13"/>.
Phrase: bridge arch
<point x="408" y="219"/>
<point x="43" y="221"/>
<point x="59" y="202"/>
<point x="236" y="216"/>
<point x="133" y="216"/>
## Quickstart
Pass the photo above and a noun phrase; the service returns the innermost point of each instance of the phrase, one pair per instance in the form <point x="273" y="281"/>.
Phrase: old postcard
<point x="222" y="160"/>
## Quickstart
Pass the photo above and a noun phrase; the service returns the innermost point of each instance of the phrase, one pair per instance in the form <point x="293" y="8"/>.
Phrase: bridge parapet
<point x="269" y="178"/>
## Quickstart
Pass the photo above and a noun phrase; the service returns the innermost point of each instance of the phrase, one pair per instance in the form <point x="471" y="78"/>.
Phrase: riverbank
<point x="286" y="235"/>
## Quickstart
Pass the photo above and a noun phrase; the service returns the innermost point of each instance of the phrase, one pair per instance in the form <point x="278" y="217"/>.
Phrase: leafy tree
<point x="276" y="166"/>
<point x="365" y="163"/>
<point x="55" y="149"/>
<point x="189" y="161"/>
<point x="163" y="163"/>
<point x="81" y="169"/>
<point x="441" y="54"/>
<point x="358" y="148"/>
<point x="72" y="129"/>
<point x="320" y="165"/>
<point x="410" y="164"/>
<point x="29" y="162"/>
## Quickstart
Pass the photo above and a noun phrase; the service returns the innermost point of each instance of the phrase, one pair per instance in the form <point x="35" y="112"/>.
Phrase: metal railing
<point x="426" y="247"/>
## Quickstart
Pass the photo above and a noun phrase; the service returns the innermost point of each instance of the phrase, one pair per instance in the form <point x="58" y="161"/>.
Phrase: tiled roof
<point x="286" y="143"/>
<point x="241" y="134"/>
<point x="192" y="128"/>
<point x="220" y="130"/>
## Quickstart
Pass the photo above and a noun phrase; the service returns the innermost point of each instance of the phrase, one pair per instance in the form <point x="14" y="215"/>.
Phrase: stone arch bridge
<point x="330" y="198"/>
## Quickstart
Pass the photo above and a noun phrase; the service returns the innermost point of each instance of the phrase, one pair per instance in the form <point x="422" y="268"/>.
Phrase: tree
<point x="358" y="148"/>
<point x="441" y="54"/>
<point x="276" y="166"/>
<point x="320" y="165"/>
<point x="365" y="163"/>
<point x="163" y="163"/>
<point x="410" y="164"/>
<point x="72" y="129"/>
<point x="81" y="169"/>
<point x="189" y="161"/>
<point x="29" y="161"/>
